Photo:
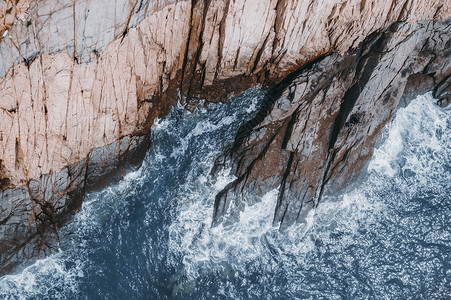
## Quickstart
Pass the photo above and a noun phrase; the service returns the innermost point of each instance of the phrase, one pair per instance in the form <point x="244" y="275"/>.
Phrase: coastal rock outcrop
<point x="82" y="81"/>
<point x="317" y="128"/>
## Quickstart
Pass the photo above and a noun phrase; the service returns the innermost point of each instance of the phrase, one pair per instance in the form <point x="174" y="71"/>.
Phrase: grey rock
<point x="318" y="127"/>
<point x="31" y="215"/>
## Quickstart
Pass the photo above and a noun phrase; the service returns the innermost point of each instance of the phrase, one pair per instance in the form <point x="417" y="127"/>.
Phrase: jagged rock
<point x="55" y="109"/>
<point x="31" y="215"/>
<point x="443" y="91"/>
<point x="82" y="82"/>
<point x="10" y="12"/>
<point x="317" y="135"/>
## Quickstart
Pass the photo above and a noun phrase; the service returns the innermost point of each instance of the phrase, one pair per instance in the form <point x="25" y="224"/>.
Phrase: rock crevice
<point x="82" y="82"/>
<point x="320" y="131"/>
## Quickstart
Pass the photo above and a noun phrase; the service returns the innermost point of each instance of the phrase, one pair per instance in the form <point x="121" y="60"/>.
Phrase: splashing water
<point x="149" y="237"/>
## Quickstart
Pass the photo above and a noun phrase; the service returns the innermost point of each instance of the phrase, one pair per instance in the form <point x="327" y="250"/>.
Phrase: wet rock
<point x="321" y="130"/>
<point x="417" y="84"/>
<point x="443" y="92"/>
<point x="80" y="91"/>
<point x="31" y="215"/>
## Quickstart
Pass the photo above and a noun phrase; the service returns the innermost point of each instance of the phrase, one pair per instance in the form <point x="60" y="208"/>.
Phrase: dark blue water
<point x="149" y="237"/>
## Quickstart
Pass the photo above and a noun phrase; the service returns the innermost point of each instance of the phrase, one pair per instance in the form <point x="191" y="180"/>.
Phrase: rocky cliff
<point x="318" y="127"/>
<point x="82" y="82"/>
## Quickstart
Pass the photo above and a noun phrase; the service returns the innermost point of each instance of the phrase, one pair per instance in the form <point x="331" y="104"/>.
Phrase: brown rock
<point x="318" y="134"/>
<point x="79" y="85"/>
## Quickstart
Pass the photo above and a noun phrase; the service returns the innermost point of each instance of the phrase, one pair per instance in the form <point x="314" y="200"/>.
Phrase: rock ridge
<point x="83" y="81"/>
<point x="317" y="136"/>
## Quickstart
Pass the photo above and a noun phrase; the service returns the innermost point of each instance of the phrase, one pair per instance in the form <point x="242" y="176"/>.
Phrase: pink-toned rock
<point x="82" y="81"/>
<point x="10" y="12"/>
<point x="55" y="111"/>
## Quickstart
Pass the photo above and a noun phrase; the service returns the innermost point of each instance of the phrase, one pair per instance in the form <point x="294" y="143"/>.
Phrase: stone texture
<point x="81" y="80"/>
<point x="31" y="215"/>
<point x="55" y="110"/>
<point x="10" y="12"/>
<point x="319" y="126"/>
<point x="80" y="28"/>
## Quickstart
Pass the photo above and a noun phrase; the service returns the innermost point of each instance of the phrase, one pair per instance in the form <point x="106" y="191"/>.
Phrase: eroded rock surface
<point x="31" y="215"/>
<point x="319" y="127"/>
<point x="10" y="12"/>
<point x="82" y="81"/>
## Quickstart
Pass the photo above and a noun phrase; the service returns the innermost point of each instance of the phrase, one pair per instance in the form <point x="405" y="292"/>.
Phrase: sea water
<point x="149" y="237"/>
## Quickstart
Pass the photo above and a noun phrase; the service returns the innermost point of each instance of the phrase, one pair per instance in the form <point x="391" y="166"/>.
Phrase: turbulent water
<point x="149" y="237"/>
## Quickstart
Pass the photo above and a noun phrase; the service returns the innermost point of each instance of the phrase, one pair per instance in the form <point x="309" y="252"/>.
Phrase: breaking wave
<point x="149" y="237"/>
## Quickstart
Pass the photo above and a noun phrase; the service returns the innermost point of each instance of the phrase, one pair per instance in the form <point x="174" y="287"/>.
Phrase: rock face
<point x="10" y="11"/>
<point x="319" y="126"/>
<point x="30" y="215"/>
<point x="83" y="81"/>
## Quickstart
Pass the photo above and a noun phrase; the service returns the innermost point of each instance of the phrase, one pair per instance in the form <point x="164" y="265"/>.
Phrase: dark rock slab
<point x="31" y="215"/>
<point x="319" y="131"/>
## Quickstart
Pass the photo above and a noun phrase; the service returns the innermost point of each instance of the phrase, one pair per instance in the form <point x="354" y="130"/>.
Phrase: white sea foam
<point x="354" y="237"/>
<point x="411" y="137"/>
<point x="417" y="124"/>
<point x="48" y="277"/>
